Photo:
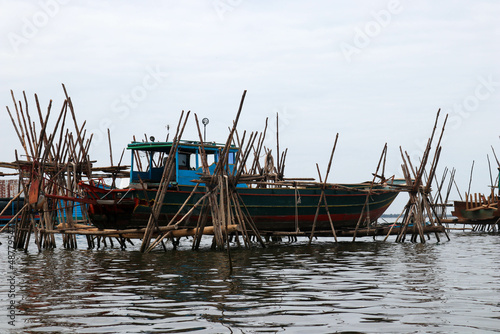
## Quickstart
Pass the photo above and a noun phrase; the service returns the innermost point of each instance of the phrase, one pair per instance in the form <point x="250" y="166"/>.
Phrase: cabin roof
<point x="184" y="145"/>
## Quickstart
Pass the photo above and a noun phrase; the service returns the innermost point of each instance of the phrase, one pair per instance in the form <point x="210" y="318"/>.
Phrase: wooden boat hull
<point x="11" y="210"/>
<point x="481" y="213"/>
<point x="272" y="209"/>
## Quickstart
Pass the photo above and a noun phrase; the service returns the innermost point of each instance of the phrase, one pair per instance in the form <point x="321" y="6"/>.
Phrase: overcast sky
<point x="375" y="72"/>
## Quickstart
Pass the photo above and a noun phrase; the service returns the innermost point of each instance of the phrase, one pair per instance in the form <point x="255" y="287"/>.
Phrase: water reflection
<point x="366" y="286"/>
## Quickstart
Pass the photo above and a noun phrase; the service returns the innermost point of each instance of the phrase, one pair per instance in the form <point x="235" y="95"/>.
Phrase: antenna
<point x="205" y="121"/>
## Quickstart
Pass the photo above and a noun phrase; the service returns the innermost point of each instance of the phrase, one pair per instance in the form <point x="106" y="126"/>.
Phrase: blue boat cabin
<point x="149" y="159"/>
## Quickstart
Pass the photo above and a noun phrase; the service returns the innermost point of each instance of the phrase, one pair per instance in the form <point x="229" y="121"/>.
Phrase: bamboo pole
<point x="384" y="152"/>
<point x="227" y="220"/>
<point x="470" y="179"/>
<point x="277" y="140"/>
<point x="223" y="157"/>
<point x="162" y="189"/>
<point x="14" y="217"/>
<point x="22" y="135"/>
<point x="323" y="196"/>
<point x="161" y="237"/>
<point x="18" y="134"/>
<point x="110" y="148"/>
<point x="28" y="131"/>
<point x="296" y="210"/>
<point x="43" y="136"/>
<point x="32" y="132"/>
<point x="203" y="221"/>
<point x="249" y="219"/>
<point x="238" y="158"/>
<point x="260" y="144"/>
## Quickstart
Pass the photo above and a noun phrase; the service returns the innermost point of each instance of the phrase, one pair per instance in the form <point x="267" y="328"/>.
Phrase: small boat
<point x="287" y="206"/>
<point x="465" y="211"/>
<point x="478" y="208"/>
<point x="9" y="209"/>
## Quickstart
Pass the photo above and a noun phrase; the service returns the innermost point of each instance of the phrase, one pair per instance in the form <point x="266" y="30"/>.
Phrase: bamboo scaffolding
<point x="220" y="189"/>
<point x="57" y="160"/>
<point x="420" y="205"/>
<point x="55" y="163"/>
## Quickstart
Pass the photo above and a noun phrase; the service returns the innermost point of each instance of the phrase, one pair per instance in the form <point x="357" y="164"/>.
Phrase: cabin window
<point x="147" y="166"/>
<point x="230" y="158"/>
<point x="210" y="158"/>
<point x="142" y="161"/>
<point x="184" y="161"/>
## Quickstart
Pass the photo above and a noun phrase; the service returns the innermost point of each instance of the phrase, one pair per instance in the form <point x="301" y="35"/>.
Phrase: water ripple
<point x="371" y="287"/>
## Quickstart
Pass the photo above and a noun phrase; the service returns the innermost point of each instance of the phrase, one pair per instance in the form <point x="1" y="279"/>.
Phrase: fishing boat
<point x="476" y="212"/>
<point x="9" y="209"/>
<point x="478" y="208"/>
<point x="286" y="206"/>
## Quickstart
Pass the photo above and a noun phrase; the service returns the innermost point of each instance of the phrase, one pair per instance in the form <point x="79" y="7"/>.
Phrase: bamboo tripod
<point x="221" y="203"/>
<point x="322" y="197"/>
<point x="420" y="207"/>
<point x="56" y="161"/>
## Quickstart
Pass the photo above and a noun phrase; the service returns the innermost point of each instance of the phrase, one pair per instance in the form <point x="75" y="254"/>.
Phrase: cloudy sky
<point x="375" y="72"/>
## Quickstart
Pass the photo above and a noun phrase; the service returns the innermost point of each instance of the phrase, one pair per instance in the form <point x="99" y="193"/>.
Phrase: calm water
<point x="367" y="286"/>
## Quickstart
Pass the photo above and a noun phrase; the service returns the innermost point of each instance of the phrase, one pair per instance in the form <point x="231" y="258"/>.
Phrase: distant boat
<point x="16" y="205"/>
<point x="478" y="208"/>
<point x="271" y="208"/>
<point x="11" y="210"/>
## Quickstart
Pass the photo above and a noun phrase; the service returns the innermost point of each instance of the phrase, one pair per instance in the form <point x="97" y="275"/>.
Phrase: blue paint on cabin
<point x="187" y="161"/>
<point x="11" y="210"/>
<point x="77" y="211"/>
